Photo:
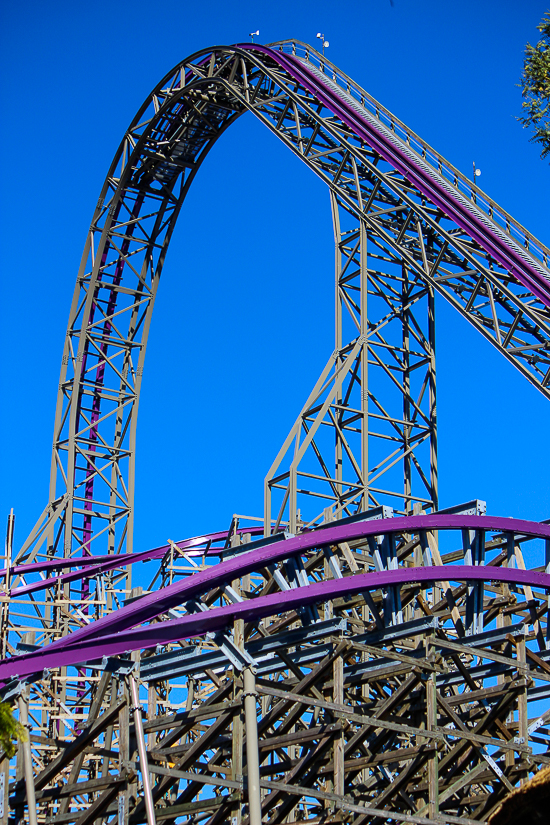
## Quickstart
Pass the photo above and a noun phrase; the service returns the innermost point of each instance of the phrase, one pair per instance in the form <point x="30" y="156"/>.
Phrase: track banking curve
<point x="123" y="630"/>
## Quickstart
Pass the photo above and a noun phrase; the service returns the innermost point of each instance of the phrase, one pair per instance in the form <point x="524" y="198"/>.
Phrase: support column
<point x="432" y="401"/>
<point x="367" y="435"/>
<point x="237" y="733"/>
<point x="142" y="751"/>
<point x="337" y="343"/>
<point x="523" y="707"/>
<point x="252" y="751"/>
<point x="338" y="698"/>
<point x="407" y="429"/>
<point x="124" y="759"/>
<point x="433" y="766"/>
<point x="364" y="368"/>
<point x="4" y="790"/>
<point x="5" y="603"/>
<point x="27" y="757"/>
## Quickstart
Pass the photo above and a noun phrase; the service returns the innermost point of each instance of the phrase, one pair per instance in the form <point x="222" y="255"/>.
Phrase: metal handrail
<point x="496" y="213"/>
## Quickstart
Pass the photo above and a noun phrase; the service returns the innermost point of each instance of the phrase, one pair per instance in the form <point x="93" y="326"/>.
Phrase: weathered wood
<point x="72" y="750"/>
<point x="400" y="726"/>
<point x="101" y="803"/>
<point x="173" y="811"/>
<point x="347" y="805"/>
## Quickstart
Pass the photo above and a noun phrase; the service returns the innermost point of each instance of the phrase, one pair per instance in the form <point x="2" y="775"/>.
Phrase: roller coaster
<point x="357" y="654"/>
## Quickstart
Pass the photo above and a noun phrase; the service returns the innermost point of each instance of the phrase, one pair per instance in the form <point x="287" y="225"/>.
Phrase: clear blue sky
<point x="243" y="322"/>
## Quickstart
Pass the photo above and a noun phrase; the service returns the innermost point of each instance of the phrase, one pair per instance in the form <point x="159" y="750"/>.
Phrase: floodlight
<point x="478" y="173"/>
<point x="324" y="42"/>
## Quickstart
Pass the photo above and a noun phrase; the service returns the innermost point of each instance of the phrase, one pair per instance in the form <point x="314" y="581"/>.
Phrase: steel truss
<point x="372" y="670"/>
<point x="351" y="660"/>
<point x="415" y="246"/>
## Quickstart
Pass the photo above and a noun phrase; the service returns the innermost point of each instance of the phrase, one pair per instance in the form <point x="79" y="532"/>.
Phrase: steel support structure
<point x="362" y="656"/>
<point x="386" y="187"/>
<point x="374" y="404"/>
<point x="362" y="695"/>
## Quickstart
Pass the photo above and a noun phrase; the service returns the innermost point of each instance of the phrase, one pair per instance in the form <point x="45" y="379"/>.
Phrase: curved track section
<point x="398" y="667"/>
<point x="108" y="630"/>
<point x="361" y="669"/>
<point x="409" y="211"/>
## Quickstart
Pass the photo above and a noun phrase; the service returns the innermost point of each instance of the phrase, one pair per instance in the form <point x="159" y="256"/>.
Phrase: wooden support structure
<point x="378" y="704"/>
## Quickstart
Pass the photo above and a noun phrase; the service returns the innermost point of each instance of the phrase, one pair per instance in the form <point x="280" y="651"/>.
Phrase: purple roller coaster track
<point x="359" y="654"/>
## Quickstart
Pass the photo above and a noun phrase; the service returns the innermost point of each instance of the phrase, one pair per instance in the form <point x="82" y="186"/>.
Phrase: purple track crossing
<point x="216" y="619"/>
<point x="117" y="632"/>
<point x="94" y="565"/>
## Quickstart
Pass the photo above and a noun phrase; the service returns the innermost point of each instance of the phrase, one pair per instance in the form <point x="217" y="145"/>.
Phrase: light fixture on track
<point x="324" y="42"/>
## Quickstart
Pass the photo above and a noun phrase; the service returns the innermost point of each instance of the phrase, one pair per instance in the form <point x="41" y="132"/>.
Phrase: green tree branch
<point x="10" y="729"/>
<point x="535" y="88"/>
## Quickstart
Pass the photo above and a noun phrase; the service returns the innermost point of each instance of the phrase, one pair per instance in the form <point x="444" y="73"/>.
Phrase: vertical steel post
<point x="4" y="624"/>
<point x="407" y="429"/>
<point x="252" y="752"/>
<point x="27" y="758"/>
<point x="433" y="767"/>
<point x="433" y="407"/>
<point x="142" y="750"/>
<point x="337" y="341"/>
<point x="364" y="368"/>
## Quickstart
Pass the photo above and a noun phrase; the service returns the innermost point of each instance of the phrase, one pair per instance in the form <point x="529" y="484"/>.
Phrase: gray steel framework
<point x="369" y="668"/>
<point x="404" y="248"/>
<point x="375" y="670"/>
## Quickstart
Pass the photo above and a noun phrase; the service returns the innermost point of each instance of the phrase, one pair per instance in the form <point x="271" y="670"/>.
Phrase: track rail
<point x="413" y="216"/>
<point x="421" y="148"/>
<point x="109" y="630"/>
<point x="375" y="667"/>
<point x="509" y="253"/>
<point x="377" y="654"/>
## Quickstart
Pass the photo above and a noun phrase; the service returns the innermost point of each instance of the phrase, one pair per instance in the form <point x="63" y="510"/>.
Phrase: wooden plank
<point x="173" y="811"/>
<point x="73" y="749"/>
<point x="347" y="805"/>
<point x="205" y="711"/>
<point x="439" y="733"/>
<point x="60" y="791"/>
<point x="339" y="741"/>
<point x="96" y="808"/>
<point x="483" y="653"/>
<point x="200" y="778"/>
<point x="299" y="737"/>
<point x="400" y="755"/>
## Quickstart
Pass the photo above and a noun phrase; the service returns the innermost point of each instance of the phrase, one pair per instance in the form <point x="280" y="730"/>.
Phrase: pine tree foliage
<point x="535" y="88"/>
<point x="10" y="729"/>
